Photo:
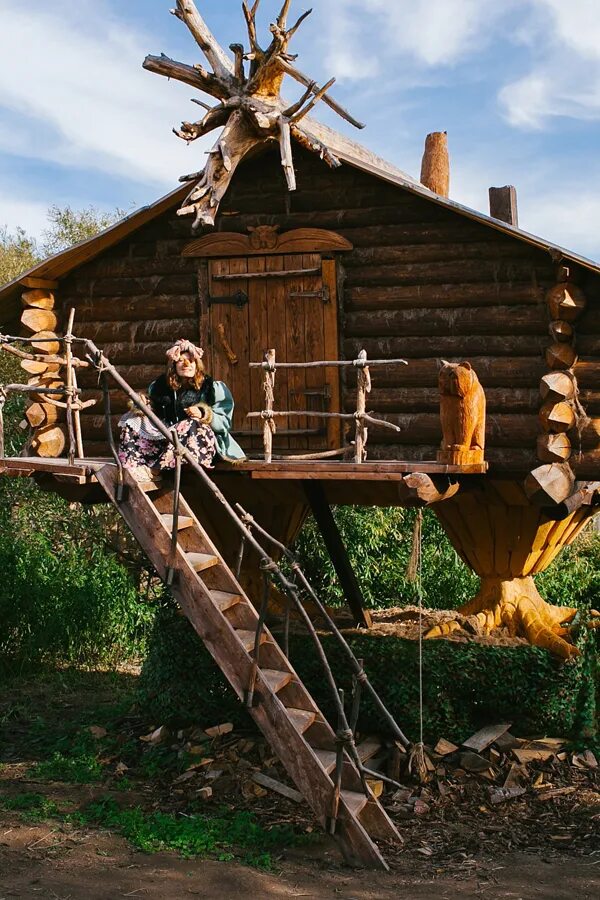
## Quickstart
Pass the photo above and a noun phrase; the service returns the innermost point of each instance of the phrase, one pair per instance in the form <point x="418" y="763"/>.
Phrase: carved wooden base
<point x="517" y="606"/>
<point x="499" y="534"/>
<point x="460" y="457"/>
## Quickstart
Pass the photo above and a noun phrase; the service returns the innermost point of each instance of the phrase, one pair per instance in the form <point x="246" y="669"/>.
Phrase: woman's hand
<point x="195" y="412"/>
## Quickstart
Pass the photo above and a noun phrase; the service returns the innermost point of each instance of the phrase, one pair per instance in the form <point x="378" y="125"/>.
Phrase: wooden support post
<point x="269" y="426"/>
<point x="69" y="380"/>
<point x="503" y="204"/>
<point x="363" y="388"/>
<point x="337" y="552"/>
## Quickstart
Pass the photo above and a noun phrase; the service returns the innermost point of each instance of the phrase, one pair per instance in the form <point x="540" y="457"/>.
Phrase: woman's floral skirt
<point x="139" y="446"/>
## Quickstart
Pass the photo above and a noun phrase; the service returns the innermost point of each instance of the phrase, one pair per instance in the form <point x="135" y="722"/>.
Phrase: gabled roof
<point x="349" y="152"/>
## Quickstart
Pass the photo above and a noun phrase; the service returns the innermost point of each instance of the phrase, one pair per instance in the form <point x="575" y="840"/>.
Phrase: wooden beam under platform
<point x="337" y="552"/>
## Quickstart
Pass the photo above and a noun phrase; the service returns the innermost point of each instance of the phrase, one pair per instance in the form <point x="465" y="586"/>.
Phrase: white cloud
<point x="27" y="214"/>
<point x="361" y="34"/>
<point x="564" y="78"/>
<point x="74" y="78"/>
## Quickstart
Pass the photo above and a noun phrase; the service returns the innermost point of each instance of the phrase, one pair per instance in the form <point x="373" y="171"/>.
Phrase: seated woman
<point x="189" y="400"/>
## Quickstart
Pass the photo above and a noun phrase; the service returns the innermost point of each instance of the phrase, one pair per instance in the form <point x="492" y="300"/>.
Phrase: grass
<point x="193" y="834"/>
<point x="224" y="836"/>
<point x="32" y="807"/>
<point x="84" y="769"/>
<point x="46" y="723"/>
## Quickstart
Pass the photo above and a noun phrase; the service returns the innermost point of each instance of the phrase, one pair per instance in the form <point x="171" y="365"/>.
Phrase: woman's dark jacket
<point x="170" y="405"/>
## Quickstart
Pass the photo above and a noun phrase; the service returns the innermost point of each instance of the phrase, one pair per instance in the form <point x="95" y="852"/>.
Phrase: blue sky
<point x="515" y="83"/>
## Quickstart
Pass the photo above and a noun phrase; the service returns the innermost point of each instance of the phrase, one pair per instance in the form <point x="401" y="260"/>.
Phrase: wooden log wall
<point x="43" y="419"/>
<point x="422" y="282"/>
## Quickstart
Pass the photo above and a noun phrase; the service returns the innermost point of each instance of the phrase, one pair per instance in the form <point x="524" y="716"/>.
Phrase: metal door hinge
<point x="239" y="299"/>
<point x="323" y="295"/>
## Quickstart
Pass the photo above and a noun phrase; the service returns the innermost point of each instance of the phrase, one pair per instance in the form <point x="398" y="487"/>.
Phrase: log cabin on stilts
<point x="384" y="346"/>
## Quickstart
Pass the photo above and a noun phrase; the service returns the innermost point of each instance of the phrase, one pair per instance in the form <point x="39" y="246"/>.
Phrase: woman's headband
<point x="183" y="346"/>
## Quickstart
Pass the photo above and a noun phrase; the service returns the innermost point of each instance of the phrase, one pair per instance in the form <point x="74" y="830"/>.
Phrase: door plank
<point x="276" y="339"/>
<point x="258" y="330"/>
<point x="296" y="346"/>
<point x="239" y="343"/>
<point x="332" y="350"/>
<point x="315" y="340"/>
<point x="219" y="315"/>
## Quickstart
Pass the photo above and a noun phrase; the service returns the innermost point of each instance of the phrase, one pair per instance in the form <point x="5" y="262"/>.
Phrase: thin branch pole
<point x="310" y="413"/>
<point x="109" y="434"/>
<point x="313" y="102"/>
<point x="260" y="625"/>
<point x="39" y="357"/>
<point x="363" y="387"/>
<point x="295" y="73"/>
<point x="357" y="668"/>
<point x="269" y="427"/>
<point x="332" y="362"/>
<point x="176" y="494"/>
<point x="69" y="357"/>
<point x="78" y="433"/>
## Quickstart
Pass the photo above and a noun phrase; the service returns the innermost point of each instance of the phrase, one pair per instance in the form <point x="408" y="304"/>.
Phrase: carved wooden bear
<point x="462" y="411"/>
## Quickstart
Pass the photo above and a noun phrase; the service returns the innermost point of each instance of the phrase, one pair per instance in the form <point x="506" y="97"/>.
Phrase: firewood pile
<point x="493" y="792"/>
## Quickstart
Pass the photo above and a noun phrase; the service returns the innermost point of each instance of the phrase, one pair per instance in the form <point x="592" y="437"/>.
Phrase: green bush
<point x="379" y="543"/>
<point x="466" y="685"/>
<point x="70" y="606"/>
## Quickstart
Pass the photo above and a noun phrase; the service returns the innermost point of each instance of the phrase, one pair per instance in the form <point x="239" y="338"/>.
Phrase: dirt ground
<point x="37" y="862"/>
<point x="455" y="842"/>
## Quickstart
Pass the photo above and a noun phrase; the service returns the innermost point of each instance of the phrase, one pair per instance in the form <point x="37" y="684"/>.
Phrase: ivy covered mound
<point x="466" y="685"/>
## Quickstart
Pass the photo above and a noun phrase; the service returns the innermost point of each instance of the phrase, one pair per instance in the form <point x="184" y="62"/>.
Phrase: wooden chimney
<point x="503" y="204"/>
<point x="435" y="167"/>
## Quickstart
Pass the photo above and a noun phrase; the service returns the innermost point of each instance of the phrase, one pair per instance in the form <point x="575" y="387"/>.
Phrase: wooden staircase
<point x="226" y="620"/>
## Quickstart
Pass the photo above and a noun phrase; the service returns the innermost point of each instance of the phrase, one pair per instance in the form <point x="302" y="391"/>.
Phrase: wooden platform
<point x="282" y="481"/>
<point x="392" y="470"/>
<point x="81" y="472"/>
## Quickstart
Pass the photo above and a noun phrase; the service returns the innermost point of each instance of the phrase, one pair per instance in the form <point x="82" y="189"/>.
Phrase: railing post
<point x="363" y="387"/>
<point x="68" y="339"/>
<point x="170" y="577"/>
<point x="269" y="427"/>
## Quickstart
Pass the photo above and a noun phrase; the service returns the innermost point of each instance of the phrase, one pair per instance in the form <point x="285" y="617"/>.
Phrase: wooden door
<point x="286" y="302"/>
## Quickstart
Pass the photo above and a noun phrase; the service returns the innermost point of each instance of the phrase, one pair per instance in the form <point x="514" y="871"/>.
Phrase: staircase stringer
<point x="270" y="714"/>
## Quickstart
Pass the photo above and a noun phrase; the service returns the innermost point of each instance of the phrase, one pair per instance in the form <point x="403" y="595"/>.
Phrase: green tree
<point x="66" y="593"/>
<point x="68" y="226"/>
<point x="18" y="252"/>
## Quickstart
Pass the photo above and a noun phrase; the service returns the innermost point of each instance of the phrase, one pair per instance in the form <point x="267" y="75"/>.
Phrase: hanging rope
<point x="417" y="762"/>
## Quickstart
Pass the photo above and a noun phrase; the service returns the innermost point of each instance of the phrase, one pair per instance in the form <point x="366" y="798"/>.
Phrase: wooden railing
<point x="363" y="387"/>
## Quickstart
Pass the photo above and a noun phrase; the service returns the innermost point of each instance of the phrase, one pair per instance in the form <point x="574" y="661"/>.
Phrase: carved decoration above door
<point x="264" y="239"/>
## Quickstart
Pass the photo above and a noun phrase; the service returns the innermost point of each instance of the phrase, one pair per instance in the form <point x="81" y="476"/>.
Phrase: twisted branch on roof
<point x="251" y="111"/>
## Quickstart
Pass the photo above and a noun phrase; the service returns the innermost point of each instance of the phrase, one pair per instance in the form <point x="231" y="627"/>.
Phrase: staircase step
<point x="301" y="718"/>
<point x="182" y="522"/>
<point x="201" y="561"/>
<point x="355" y="801"/>
<point x="248" y="638"/>
<point x="224" y="600"/>
<point x="327" y="759"/>
<point x="149" y="486"/>
<point x="276" y="679"/>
